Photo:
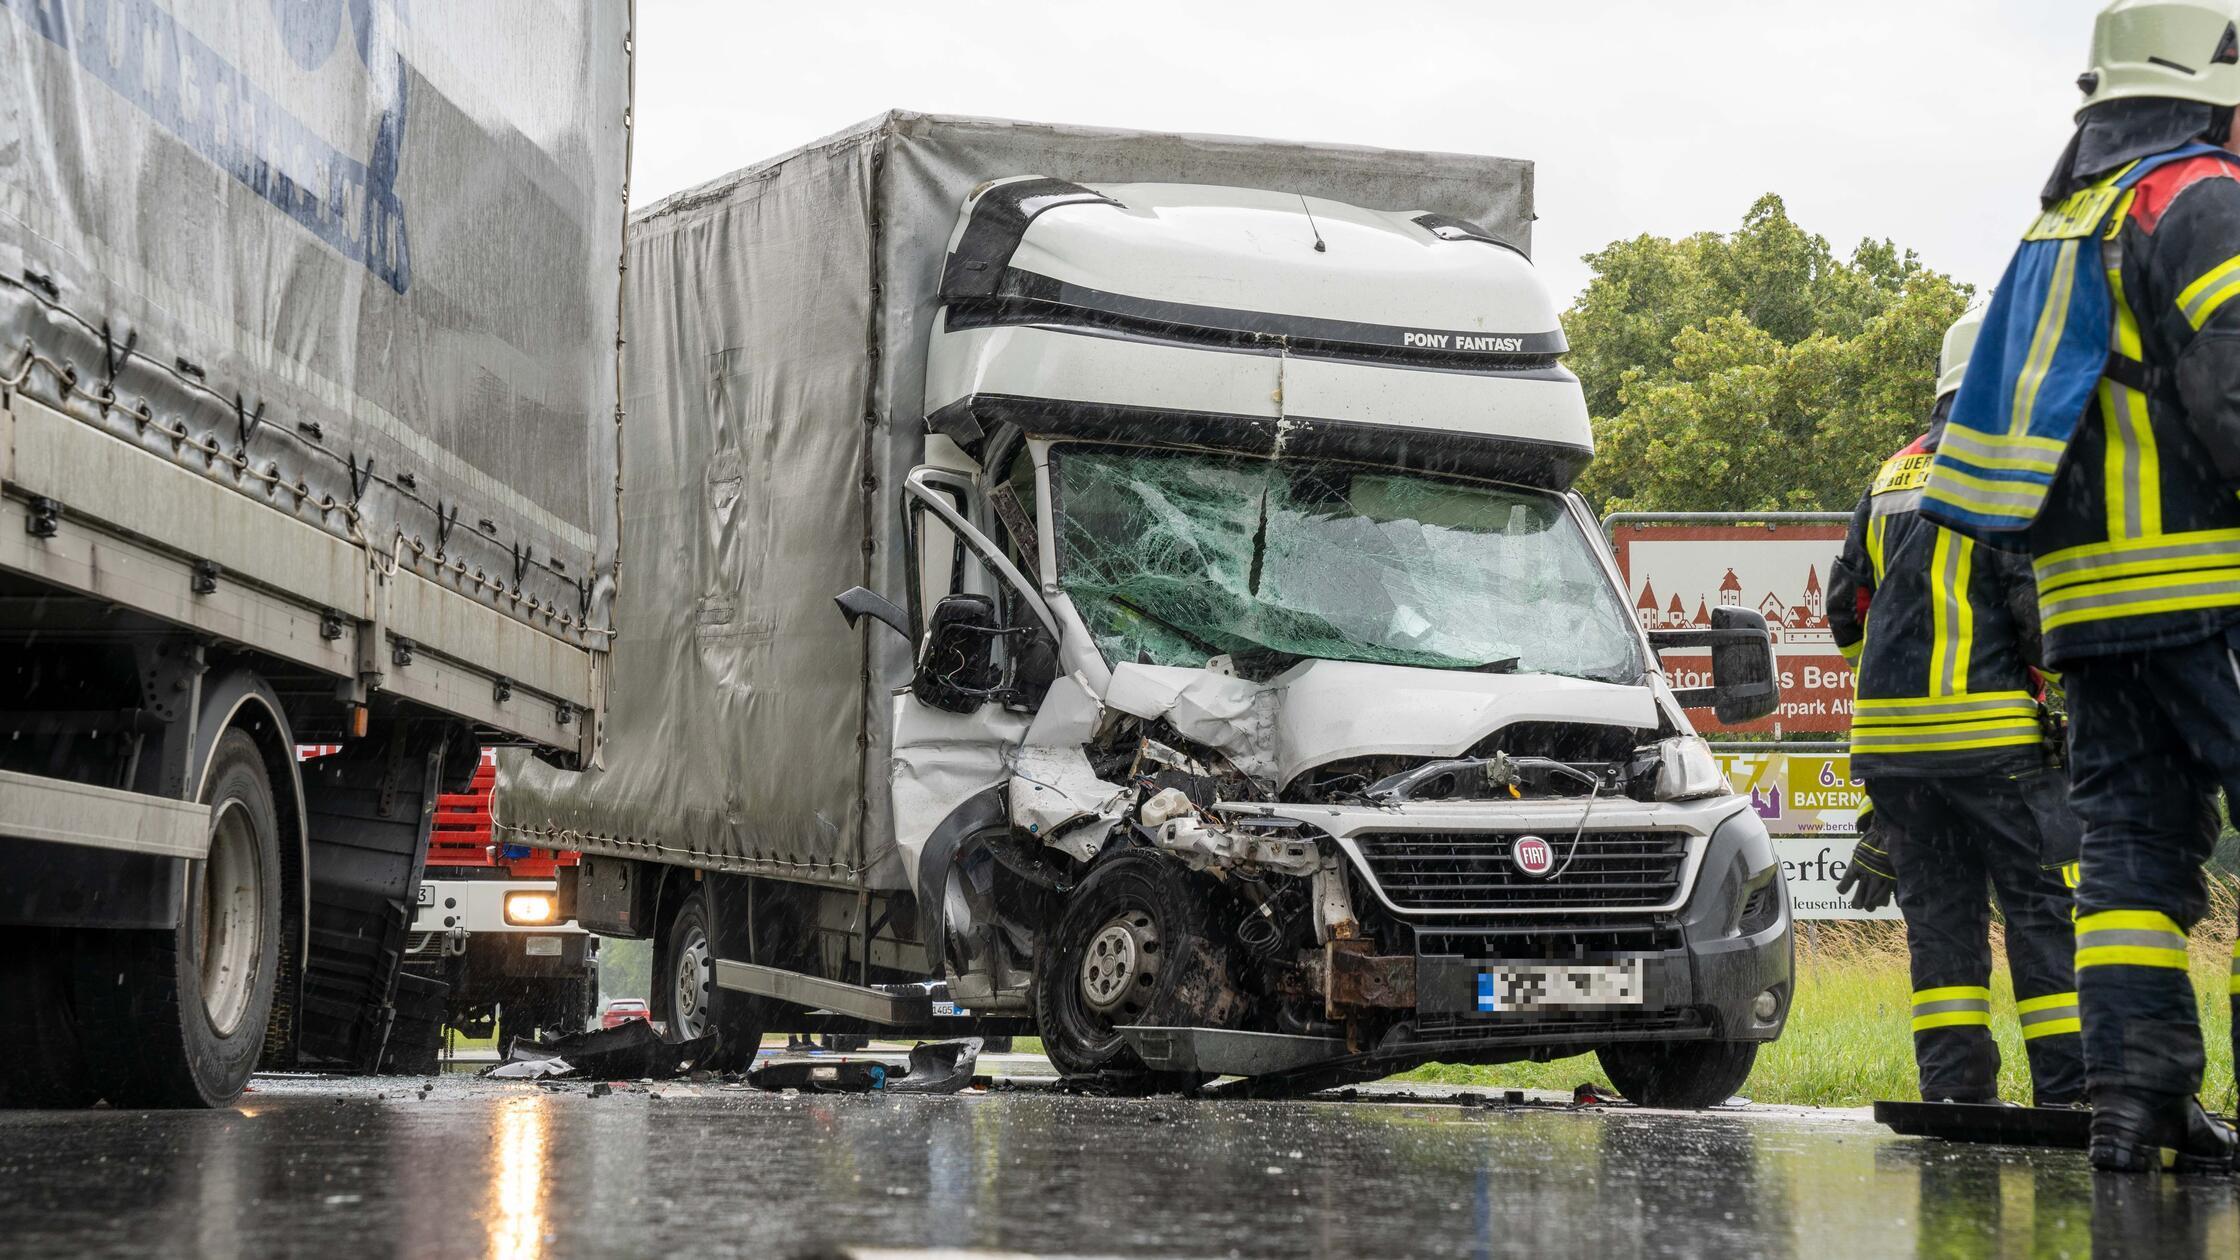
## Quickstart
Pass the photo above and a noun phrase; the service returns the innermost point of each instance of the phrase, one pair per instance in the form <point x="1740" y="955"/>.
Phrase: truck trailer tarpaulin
<point x="358" y="258"/>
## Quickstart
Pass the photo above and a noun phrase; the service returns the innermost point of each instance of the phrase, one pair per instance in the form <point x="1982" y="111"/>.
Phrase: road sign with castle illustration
<point x="1676" y="574"/>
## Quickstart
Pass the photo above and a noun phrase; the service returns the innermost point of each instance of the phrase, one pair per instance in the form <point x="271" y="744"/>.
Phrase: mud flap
<point x="371" y="808"/>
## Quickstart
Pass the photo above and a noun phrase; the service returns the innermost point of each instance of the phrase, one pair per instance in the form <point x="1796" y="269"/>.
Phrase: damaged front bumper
<point x="1710" y="958"/>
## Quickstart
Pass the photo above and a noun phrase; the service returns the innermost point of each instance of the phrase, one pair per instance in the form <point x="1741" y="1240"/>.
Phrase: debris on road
<point x="631" y="1051"/>
<point x="935" y="1067"/>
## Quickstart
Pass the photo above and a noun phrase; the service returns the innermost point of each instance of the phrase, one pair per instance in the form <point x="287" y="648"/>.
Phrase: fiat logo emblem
<point x="1533" y="856"/>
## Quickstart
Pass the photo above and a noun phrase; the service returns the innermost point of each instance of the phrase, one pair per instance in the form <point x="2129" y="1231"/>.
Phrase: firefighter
<point x="1967" y="790"/>
<point x="2099" y="430"/>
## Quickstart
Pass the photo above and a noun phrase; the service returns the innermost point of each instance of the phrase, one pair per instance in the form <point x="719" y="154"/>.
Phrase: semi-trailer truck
<point x="1224" y="678"/>
<point x="308" y="414"/>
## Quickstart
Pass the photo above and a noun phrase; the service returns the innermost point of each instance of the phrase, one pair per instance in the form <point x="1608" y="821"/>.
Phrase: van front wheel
<point x="1134" y="945"/>
<point x="1680" y="1075"/>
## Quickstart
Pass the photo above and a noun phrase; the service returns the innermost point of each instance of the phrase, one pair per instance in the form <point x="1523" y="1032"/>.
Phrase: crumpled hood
<point x="1318" y="712"/>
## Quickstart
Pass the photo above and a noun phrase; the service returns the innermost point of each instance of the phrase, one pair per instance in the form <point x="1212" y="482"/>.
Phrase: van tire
<point x="1151" y="918"/>
<point x="1679" y="1075"/>
<point x="738" y="1018"/>
<point x="177" y="1017"/>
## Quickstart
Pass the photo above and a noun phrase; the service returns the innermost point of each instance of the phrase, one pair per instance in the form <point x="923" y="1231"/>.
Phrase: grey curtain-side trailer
<point x="308" y="334"/>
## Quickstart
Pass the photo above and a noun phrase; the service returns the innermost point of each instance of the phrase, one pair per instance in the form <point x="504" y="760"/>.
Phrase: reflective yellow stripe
<point x="1964" y="632"/>
<point x="1977" y="705"/>
<point x="1952" y="1019"/>
<point x="2141" y="597"/>
<point x="2130" y="938"/>
<point x="1999" y="494"/>
<point x="2129" y="921"/>
<point x="1964" y="1005"/>
<point x="1967" y="447"/>
<point x="1884" y="743"/>
<point x="2131" y="956"/>
<point x="1851" y="652"/>
<point x="2053" y="318"/>
<point x="1939" y="724"/>
<point x="1942" y="613"/>
<point x="2202" y="549"/>
<point x="2031" y="1006"/>
<point x="2201" y="299"/>
<point x="2131" y="470"/>
<point x="2127" y="324"/>
<point x="2070" y="873"/>
<point x="1874" y="546"/>
<point x="2048" y="1016"/>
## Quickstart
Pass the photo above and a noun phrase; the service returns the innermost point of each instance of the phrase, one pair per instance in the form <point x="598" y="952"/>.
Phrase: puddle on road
<point x="454" y="1166"/>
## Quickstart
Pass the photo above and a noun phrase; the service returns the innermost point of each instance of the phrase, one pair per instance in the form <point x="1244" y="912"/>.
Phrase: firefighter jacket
<point x="1941" y="632"/>
<point x="2100" y="417"/>
<point x="2138" y="546"/>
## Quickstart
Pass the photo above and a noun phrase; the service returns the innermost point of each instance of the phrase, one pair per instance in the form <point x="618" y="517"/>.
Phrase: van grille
<point x="1438" y="871"/>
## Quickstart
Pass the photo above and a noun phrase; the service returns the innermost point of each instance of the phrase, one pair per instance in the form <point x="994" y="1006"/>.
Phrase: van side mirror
<point x="1744" y="685"/>
<point x="957" y="671"/>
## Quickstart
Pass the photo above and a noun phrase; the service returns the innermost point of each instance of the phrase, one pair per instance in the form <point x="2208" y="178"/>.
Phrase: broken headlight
<point x="1686" y="770"/>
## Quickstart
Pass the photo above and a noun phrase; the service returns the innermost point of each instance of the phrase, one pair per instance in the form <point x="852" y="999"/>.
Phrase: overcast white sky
<point x="1931" y="123"/>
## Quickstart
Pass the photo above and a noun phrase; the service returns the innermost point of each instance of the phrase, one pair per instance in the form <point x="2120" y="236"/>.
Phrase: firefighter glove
<point x="1872" y="878"/>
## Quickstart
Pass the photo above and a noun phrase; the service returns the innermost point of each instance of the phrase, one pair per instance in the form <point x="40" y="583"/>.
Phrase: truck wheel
<point x="39" y="1042"/>
<point x="1133" y="946"/>
<point x="176" y="1018"/>
<point x="1681" y="1075"/>
<point x="687" y="1000"/>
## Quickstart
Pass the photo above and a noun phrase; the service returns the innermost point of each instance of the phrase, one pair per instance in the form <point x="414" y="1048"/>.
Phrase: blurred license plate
<point x="543" y="946"/>
<point x="1560" y="986"/>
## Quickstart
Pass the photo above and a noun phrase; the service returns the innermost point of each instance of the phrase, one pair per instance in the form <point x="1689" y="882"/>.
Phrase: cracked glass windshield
<point x="1175" y="556"/>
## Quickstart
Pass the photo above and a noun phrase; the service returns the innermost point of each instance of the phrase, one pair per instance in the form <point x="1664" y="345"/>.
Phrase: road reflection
<point x="519" y="1180"/>
<point x="477" y="1169"/>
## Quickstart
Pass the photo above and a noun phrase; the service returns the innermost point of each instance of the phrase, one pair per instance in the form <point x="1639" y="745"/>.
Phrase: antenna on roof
<point x="1319" y="247"/>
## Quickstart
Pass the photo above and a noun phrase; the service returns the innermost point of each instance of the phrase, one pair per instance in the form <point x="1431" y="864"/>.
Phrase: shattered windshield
<point x="1175" y="556"/>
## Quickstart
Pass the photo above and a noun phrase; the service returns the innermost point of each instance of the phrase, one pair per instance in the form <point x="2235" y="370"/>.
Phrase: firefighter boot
<point x="2130" y="1130"/>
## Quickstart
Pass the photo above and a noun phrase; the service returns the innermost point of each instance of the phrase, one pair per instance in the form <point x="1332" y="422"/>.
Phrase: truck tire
<point x="176" y="1018"/>
<point x="39" y="1040"/>
<point x="1680" y="1075"/>
<point x="686" y="999"/>
<point x="1134" y="945"/>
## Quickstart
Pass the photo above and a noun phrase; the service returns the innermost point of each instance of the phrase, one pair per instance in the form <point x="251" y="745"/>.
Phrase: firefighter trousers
<point x="2155" y="736"/>
<point x="1962" y="841"/>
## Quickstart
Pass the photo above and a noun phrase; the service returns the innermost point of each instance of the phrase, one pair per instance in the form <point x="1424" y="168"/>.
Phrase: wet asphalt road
<point x="340" y="1168"/>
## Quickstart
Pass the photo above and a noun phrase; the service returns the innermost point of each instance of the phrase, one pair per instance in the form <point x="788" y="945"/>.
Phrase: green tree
<point x="1753" y="371"/>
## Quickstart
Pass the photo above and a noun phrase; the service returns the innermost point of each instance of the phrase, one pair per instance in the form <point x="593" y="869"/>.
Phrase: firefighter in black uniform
<point x="2126" y="492"/>
<point x="1966" y="786"/>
